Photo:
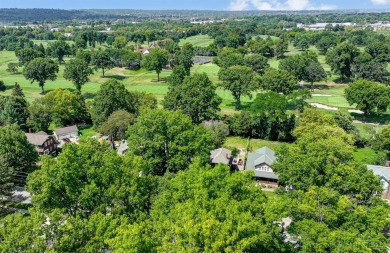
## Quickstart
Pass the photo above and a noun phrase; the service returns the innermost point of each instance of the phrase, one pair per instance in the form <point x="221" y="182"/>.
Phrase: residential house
<point x="66" y="132"/>
<point x="143" y="51"/>
<point x="221" y="155"/>
<point x="44" y="144"/>
<point x="260" y="162"/>
<point x="122" y="149"/>
<point x="384" y="173"/>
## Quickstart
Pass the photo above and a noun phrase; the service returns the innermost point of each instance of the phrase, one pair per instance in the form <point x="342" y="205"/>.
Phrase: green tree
<point x="78" y="72"/>
<point x="111" y="97"/>
<point x="26" y="55"/>
<point x="201" y="196"/>
<point x="220" y="132"/>
<point x="379" y="51"/>
<point x="229" y="57"/>
<point x="365" y="67"/>
<point x="101" y="59"/>
<point x="195" y="96"/>
<point x="297" y="64"/>
<point x="14" y="109"/>
<point x="341" y="58"/>
<point x="167" y="141"/>
<point x="186" y="57"/>
<point x="120" y="42"/>
<point x="15" y="151"/>
<point x="156" y="60"/>
<point x="89" y="178"/>
<point x="368" y="96"/>
<point x="279" y="81"/>
<point x="40" y="114"/>
<point x="270" y="102"/>
<point x="12" y="68"/>
<point x="59" y="49"/>
<point x="6" y="185"/>
<point x="325" y="43"/>
<point x="322" y="156"/>
<point x="280" y="47"/>
<point x="314" y="73"/>
<point x="41" y="70"/>
<point x="117" y="124"/>
<point x="240" y="81"/>
<point x="384" y="139"/>
<point x="66" y="107"/>
<point x="257" y="62"/>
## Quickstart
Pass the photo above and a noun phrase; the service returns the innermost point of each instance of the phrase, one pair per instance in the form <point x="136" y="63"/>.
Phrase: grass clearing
<point x="241" y="142"/>
<point x="197" y="40"/>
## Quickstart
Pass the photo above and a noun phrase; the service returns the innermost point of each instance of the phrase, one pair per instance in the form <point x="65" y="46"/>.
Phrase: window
<point x="264" y="168"/>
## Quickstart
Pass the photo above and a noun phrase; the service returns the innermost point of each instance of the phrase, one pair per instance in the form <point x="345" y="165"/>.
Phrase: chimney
<point x="251" y="149"/>
<point x="30" y="130"/>
<point x="387" y="164"/>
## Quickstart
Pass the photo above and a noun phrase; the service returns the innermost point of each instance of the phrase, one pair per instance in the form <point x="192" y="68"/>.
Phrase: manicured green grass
<point x="197" y="41"/>
<point x="335" y="99"/>
<point x="368" y="155"/>
<point x="244" y="143"/>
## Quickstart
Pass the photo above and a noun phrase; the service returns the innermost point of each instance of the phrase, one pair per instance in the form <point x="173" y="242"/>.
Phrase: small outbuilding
<point x="66" y="133"/>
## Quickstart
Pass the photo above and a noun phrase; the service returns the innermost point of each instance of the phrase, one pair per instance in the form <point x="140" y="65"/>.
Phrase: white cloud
<point x="238" y="5"/>
<point x="242" y="5"/>
<point x="380" y="1"/>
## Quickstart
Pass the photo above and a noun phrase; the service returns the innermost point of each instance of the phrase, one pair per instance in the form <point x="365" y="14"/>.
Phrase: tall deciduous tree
<point x="26" y="55"/>
<point x="156" y="60"/>
<point x="101" y="59"/>
<point x="314" y="73"/>
<point x="279" y="81"/>
<point x="111" y="97"/>
<point x="16" y="152"/>
<point x="186" y="57"/>
<point x="78" y="72"/>
<point x="240" y="81"/>
<point x="368" y="96"/>
<point x="167" y="141"/>
<point x="229" y="57"/>
<point x="41" y="70"/>
<point x="195" y="96"/>
<point x="341" y="58"/>
<point x="59" y="49"/>
<point x="117" y="124"/>
<point x="257" y="62"/>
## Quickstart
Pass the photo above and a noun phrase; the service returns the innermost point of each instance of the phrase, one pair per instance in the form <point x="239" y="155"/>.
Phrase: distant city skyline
<point x="233" y="5"/>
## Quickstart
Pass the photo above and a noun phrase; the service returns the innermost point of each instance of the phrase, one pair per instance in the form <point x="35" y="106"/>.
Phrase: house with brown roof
<point x="44" y="144"/>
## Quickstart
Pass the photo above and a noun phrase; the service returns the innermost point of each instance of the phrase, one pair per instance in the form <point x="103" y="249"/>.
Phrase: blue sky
<point x="199" y="4"/>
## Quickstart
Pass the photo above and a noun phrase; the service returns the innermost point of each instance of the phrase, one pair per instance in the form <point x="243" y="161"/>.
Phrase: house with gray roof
<point x="221" y="155"/>
<point x="44" y="144"/>
<point x="66" y="132"/>
<point x="123" y="148"/>
<point x="384" y="173"/>
<point x="260" y="162"/>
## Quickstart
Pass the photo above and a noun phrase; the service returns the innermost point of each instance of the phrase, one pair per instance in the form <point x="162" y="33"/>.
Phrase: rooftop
<point x="66" y="130"/>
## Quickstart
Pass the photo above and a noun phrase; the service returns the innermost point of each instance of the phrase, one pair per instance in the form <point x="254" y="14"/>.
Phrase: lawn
<point x="368" y="156"/>
<point x="240" y="142"/>
<point x="197" y="41"/>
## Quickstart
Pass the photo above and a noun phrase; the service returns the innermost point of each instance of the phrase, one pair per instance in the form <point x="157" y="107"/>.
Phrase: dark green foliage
<point x="78" y="72"/>
<point x="279" y="81"/>
<point x="156" y="60"/>
<point x="26" y="55"/>
<point x="240" y="81"/>
<point x="257" y="62"/>
<point x="101" y="59"/>
<point x="167" y="141"/>
<point x="341" y="58"/>
<point x="15" y="151"/>
<point x="2" y="86"/>
<point x="195" y="96"/>
<point x="117" y="124"/>
<point x="41" y="70"/>
<point x="12" y="68"/>
<point x="368" y="96"/>
<point x="111" y="97"/>
<point x="186" y="57"/>
<point x="58" y="49"/>
<point x="229" y="57"/>
<point x="14" y="109"/>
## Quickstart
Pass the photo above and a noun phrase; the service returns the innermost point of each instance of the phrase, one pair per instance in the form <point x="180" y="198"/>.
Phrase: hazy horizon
<point x="218" y="5"/>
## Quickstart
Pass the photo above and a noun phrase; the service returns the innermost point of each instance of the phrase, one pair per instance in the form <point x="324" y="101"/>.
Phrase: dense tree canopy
<point x="240" y="81"/>
<point x="195" y="96"/>
<point x="168" y="141"/>
<point x="341" y="58"/>
<point x="280" y="81"/>
<point x="156" y="60"/>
